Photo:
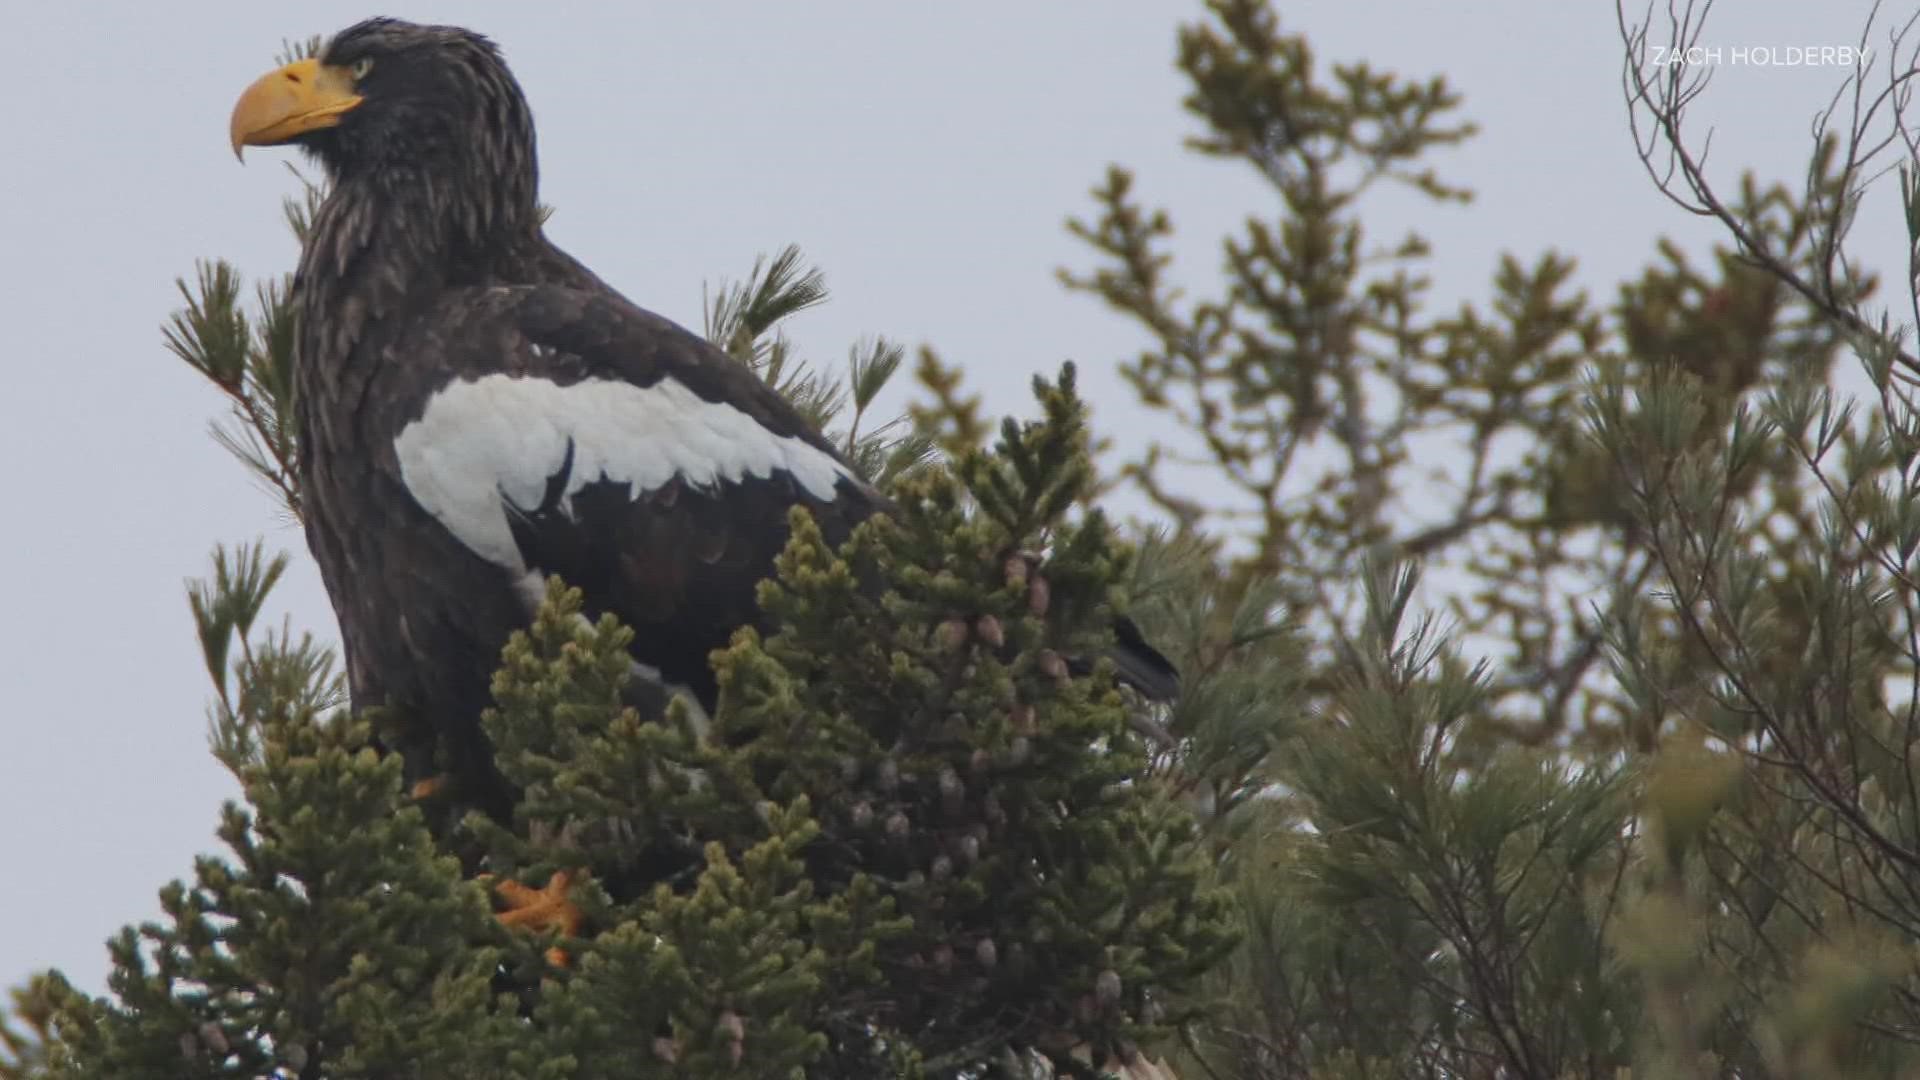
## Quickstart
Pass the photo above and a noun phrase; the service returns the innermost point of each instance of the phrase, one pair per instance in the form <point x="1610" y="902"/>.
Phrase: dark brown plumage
<point x="477" y="410"/>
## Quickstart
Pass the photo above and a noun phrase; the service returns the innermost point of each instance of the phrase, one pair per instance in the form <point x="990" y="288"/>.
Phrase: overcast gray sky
<point x="925" y="154"/>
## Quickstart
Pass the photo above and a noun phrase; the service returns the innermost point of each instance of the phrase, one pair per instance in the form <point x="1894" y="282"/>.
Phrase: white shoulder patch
<point x="484" y="443"/>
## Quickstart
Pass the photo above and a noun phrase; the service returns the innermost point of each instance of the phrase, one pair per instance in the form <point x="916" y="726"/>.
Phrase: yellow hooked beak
<point x="301" y="97"/>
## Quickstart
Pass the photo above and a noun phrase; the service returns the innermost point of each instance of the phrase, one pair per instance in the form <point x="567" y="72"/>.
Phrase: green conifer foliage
<point x="1651" y="812"/>
<point x="1642" y="805"/>
<point x="332" y="937"/>
<point x="909" y="842"/>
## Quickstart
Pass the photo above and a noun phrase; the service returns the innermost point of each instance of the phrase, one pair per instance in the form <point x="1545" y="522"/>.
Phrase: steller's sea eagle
<point x="477" y="410"/>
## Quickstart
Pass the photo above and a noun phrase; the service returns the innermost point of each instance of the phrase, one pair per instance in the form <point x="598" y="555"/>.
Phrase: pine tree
<point x="1642" y="804"/>
<point x="909" y="844"/>
<point x="1662" y="825"/>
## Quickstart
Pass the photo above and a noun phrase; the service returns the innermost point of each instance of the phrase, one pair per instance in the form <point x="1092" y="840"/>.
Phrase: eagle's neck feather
<point x="384" y="242"/>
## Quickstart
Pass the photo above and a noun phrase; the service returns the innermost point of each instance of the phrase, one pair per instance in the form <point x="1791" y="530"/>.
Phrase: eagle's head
<point x="392" y="96"/>
<point x="428" y="145"/>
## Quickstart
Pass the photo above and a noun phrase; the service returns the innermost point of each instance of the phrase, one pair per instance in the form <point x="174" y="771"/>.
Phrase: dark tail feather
<point x="1139" y="665"/>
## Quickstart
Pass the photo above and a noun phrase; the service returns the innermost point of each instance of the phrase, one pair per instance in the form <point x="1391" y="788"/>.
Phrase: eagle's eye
<point x="361" y="67"/>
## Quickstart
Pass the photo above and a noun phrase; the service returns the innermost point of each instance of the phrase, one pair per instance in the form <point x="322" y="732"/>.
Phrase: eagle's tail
<point x="1140" y="665"/>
